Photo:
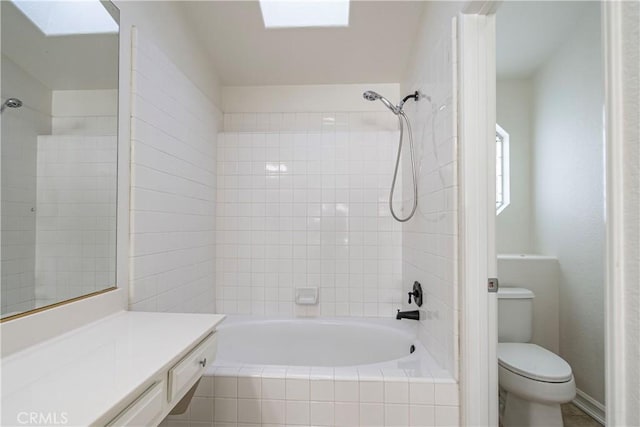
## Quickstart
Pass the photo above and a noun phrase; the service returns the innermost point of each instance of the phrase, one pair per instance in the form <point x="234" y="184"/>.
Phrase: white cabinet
<point x="187" y="372"/>
<point x="127" y="369"/>
<point x="146" y="410"/>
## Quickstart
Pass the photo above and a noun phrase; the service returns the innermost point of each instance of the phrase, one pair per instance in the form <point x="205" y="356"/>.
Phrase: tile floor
<point x="575" y="417"/>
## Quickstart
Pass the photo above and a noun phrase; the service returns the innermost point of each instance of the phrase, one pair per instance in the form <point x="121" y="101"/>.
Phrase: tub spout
<point x="412" y="315"/>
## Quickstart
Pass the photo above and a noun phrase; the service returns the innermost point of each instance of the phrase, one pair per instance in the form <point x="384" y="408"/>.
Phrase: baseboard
<point x="590" y="406"/>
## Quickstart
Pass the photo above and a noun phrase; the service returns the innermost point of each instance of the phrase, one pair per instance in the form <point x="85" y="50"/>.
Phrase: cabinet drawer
<point x="187" y="371"/>
<point x="145" y="410"/>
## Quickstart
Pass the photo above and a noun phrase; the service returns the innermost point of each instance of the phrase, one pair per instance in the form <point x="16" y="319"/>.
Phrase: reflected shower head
<point x="373" y="96"/>
<point x="11" y="103"/>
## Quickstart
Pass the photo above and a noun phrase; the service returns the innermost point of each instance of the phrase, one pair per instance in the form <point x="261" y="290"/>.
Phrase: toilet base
<point x="525" y="413"/>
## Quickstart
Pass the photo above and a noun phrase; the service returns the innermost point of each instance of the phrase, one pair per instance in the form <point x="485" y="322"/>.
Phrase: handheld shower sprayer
<point x="402" y="119"/>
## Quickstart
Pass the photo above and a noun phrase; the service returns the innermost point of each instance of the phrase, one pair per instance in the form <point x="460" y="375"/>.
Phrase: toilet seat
<point x="533" y="362"/>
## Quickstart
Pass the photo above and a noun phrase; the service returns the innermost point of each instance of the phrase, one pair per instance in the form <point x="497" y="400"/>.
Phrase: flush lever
<point x="203" y="362"/>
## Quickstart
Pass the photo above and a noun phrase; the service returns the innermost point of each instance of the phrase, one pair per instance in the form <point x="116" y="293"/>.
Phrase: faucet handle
<point x="416" y="294"/>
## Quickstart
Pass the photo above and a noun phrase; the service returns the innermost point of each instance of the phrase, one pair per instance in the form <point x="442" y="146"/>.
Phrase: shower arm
<point x="415" y="96"/>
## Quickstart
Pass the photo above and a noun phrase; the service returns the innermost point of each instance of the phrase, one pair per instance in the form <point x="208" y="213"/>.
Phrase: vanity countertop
<point x="77" y="378"/>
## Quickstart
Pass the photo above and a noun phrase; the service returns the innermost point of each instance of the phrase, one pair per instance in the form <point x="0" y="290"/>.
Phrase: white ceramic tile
<point x="301" y="162"/>
<point x="446" y="394"/>
<point x="346" y="391"/>
<point x="297" y="389"/>
<point x="372" y="414"/>
<point x="322" y="390"/>
<point x="273" y="388"/>
<point x="422" y="416"/>
<point x="421" y="393"/>
<point x="446" y="416"/>
<point x="321" y="413"/>
<point x="249" y="387"/>
<point x="226" y="410"/>
<point x="396" y="392"/>
<point x="173" y="173"/>
<point x="201" y="409"/>
<point x="396" y="415"/>
<point x="249" y="411"/>
<point x="297" y="412"/>
<point x="347" y="414"/>
<point x="226" y="386"/>
<point x="371" y="391"/>
<point x="273" y="412"/>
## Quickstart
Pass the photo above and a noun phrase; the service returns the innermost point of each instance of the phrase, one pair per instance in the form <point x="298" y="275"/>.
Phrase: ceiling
<point x="375" y="48"/>
<point x="528" y="33"/>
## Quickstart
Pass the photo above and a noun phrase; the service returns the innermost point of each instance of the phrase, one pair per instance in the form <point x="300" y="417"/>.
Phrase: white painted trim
<point x="616" y="410"/>
<point x="478" y="308"/>
<point x="590" y="406"/>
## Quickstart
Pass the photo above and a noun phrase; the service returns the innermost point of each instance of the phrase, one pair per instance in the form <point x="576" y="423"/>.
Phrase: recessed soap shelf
<point x="307" y="296"/>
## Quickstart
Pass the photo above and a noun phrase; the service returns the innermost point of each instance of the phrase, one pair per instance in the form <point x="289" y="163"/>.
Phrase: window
<point x="305" y="13"/>
<point x="502" y="170"/>
<point x="63" y="18"/>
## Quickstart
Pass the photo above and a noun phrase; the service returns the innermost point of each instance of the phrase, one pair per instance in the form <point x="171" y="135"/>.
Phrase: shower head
<point x="11" y="103"/>
<point x="373" y="96"/>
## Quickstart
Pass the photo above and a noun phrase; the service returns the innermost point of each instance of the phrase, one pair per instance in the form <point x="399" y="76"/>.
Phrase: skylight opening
<point x="63" y="18"/>
<point x="305" y="13"/>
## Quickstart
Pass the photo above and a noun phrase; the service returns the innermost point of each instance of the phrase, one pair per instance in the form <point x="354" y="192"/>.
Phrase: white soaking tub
<point x="314" y="342"/>
<point x="323" y="372"/>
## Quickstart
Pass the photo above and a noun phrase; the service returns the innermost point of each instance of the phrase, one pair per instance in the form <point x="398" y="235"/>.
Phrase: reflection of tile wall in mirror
<point x="59" y="154"/>
<point x="75" y="216"/>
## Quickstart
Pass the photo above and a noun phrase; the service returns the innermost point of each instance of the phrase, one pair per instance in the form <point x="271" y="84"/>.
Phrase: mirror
<point x="59" y="144"/>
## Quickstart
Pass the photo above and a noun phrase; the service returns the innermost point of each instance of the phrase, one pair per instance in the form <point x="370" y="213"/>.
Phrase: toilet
<point x="533" y="380"/>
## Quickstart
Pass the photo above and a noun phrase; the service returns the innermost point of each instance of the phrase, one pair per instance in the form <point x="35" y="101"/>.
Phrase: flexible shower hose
<point x="402" y="116"/>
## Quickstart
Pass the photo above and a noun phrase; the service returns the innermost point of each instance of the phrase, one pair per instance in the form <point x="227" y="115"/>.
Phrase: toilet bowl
<point x="535" y="380"/>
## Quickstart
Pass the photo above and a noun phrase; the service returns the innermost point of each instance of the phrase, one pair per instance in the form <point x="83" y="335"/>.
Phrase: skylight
<point x="60" y="18"/>
<point x="305" y="13"/>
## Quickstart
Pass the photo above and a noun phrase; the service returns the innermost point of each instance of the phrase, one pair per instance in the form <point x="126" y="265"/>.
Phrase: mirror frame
<point x="113" y="10"/>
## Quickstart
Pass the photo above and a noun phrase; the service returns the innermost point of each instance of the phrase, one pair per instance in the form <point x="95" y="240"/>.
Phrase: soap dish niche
<point x="307" y="296"/>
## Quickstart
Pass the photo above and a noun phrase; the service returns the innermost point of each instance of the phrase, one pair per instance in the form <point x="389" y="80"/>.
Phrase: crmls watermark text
<point x="43" y="418"/>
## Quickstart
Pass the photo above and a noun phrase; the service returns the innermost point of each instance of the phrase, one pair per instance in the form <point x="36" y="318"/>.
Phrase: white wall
<point x="429" y="240"/>
<point x="173" y="165"/>
<point x="305" y="205"/>
<point x="514" y="115"/>
<point x="541" y="275"/>
<point x="568" y="193"/>
<point x="305" y="98"/>
<point x="85" y="112"/>
<point x="165" y="24"/>
<point x="20" y="129"/>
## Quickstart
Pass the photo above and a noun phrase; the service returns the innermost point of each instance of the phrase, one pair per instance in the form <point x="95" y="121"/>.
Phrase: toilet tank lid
<point x="514" y="293"/>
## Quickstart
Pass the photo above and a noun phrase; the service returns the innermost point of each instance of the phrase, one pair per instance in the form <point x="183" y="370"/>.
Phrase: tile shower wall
<point x="429" y="250"/>
<point x="173" y="186"/>
<point x="20" y="130"/>
<point x="75" y="216"/>
<point x="76" y="196"/>
<point x="302" y="202"/>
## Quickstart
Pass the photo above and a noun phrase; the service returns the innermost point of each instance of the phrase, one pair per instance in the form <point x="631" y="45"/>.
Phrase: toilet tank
<point x="515" y="315"/>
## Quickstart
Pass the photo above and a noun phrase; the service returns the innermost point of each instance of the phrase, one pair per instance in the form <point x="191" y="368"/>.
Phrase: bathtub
<point x="322" y="372"/>
<point x="314" y="342"/>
